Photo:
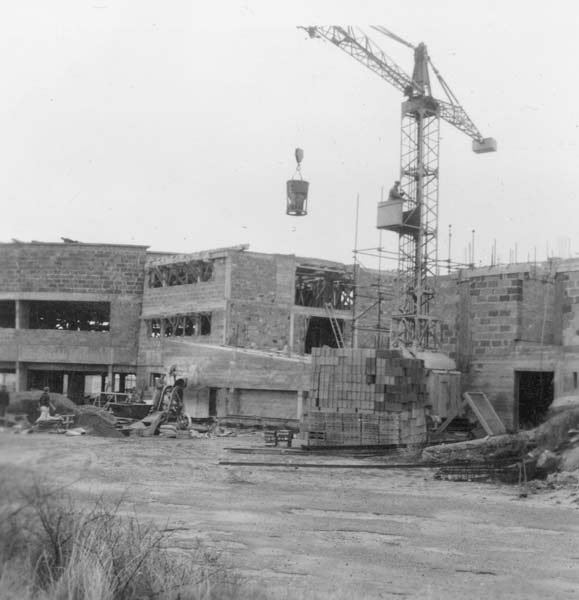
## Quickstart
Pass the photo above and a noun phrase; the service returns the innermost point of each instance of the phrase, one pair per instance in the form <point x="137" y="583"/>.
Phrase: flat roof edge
<point x="75" y="244"/>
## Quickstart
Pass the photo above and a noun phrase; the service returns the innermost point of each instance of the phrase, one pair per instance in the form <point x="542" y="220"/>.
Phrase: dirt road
<point x="326" y="533"/>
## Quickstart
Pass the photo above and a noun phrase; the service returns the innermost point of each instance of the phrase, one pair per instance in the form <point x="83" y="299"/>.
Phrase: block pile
<point x="365" y="397"/>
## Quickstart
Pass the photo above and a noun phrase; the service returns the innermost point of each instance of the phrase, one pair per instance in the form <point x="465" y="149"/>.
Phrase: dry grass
<point x="52" y="549"/>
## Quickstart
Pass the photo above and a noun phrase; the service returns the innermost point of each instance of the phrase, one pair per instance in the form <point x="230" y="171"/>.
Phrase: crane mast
<point x="417" y="210"/>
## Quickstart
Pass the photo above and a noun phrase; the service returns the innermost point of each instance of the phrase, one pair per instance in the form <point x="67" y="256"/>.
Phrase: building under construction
<point x="241" y="325"/>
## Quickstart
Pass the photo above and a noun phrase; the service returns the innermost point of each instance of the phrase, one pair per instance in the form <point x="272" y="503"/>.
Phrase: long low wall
<point x="225" y="367"/>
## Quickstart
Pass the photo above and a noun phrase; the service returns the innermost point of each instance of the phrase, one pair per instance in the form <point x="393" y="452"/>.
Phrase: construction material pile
<point x="549" y="451"/>
<point x="97" y="422"/>
<point x="26" y="403"/>
<point x="484" y="450"/>
<point x="365" y="397"/>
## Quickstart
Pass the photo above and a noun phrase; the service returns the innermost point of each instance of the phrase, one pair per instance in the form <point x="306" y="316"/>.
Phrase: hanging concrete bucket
<point x="297" y="197"/>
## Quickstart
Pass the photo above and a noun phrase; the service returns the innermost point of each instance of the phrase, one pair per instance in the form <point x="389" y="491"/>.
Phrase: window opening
<point x="191" y="272"/>
<point x="190" y="325"/>
<point x="317" y="287"/>
<point x="68" y="316"/>
<point x="8" y="314"/>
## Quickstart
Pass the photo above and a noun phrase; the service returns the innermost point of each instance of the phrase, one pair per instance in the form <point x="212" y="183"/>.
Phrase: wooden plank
<point x="450" y="417"/>
<point x="485" y="413"/>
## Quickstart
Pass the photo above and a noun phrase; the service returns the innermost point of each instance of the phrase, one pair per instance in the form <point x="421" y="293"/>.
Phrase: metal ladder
<point x="336" y="329"/>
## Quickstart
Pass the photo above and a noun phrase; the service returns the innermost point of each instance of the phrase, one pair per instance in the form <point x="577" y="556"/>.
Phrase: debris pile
<point x="97" y="422"/>
<point x="484" y="450"/>
<point x="549" y="452"/>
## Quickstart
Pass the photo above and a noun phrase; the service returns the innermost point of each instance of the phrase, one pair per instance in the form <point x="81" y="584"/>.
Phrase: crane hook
<point x="299" y="154"/>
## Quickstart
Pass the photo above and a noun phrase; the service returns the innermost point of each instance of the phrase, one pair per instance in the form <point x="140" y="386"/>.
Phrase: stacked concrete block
<point x="365" y="397"/>
<point x="352" y="429"/>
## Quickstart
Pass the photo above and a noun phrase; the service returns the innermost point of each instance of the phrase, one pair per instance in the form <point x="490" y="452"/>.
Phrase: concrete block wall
<point x="537" y="311"/>
<point x="193" y="297"/>
<point x="254" y="278"/>
<point x="74" y="272"/>
<point x="494" y="374"/>
<point x="568" y="302"/>
<point x="260" y="326"/>
<point x="261" y="295"/>
<point x="495" y="311"/>
<point x="70" y="268"/>
<point x="567" y="378"/>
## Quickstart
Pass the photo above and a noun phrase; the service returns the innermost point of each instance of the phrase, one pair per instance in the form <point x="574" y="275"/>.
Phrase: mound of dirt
<point x="97" y="422"/>
<point x="27" y="403"/>
<point x="553" y="434"/>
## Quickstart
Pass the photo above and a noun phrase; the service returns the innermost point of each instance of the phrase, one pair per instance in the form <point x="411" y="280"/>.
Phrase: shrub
<point x="52" y="549"/>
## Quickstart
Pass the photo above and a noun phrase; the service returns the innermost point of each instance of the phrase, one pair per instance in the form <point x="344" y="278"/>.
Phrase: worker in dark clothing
<point x="44" y="404"/>
<point x="4" y="400"/>
<point x="395" y="192"/>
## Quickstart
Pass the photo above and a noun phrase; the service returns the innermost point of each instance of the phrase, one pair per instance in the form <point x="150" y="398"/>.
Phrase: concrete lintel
<point x="196" y="307"/>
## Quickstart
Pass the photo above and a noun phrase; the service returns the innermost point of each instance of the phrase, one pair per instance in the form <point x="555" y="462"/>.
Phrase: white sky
<point x="173" y="124"/>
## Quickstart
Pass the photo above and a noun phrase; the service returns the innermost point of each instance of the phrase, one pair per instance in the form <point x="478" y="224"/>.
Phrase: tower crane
<point x="413" y="214"/>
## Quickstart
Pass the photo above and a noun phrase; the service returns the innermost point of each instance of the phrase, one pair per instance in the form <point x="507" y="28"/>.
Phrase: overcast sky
<point x="173" y="124"/>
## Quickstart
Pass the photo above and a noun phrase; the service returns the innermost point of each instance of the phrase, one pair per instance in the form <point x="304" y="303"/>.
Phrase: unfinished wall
<point x="73" y="273"/>
<point x="259" y="326"/>
<point x="452" y="306"/>
<point x="496" y="321"/>
<point x="260" y="299"/>
<point x="262" y="278"/>
<point x="567" y="285"/>
<point x="70" y="268"/>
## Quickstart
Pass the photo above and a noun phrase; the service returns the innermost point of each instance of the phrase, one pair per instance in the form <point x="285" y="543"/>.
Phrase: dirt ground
<point x="326" y="533"/>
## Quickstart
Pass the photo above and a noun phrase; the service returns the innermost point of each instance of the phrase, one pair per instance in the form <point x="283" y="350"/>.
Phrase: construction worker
<point x="44" y="405"/>
<point x="4" y="400"/>
<point x="395" y="192"/>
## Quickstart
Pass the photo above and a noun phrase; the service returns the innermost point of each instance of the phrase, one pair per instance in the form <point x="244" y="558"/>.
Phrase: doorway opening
<point x="212" y="402"/>
<point x="320" y="333"/>
<point x="534" y="393"/>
